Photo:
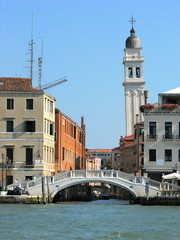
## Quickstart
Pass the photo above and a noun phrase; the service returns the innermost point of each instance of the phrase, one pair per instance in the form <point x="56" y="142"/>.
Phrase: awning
<point x="171" y="176"/>
<point x="159" y="170"/>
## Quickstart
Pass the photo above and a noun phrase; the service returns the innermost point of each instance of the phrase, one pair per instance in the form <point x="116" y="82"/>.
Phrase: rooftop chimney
<point x="146" y="96"/>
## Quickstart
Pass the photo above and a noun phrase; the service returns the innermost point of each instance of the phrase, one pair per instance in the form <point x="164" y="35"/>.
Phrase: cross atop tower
<point x="132" y="21"/>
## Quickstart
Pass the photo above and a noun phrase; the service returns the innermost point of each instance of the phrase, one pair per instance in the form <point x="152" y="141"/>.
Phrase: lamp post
<point x="2" y="155"/>
<point x="8" y="164"/>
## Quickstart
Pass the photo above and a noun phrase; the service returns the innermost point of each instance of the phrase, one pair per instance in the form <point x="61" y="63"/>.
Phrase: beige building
<point x="27" y="118"/>
<point x="162" y="135"/>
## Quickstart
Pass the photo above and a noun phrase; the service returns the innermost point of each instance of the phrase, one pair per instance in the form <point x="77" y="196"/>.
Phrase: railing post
<point x="86" y="173"/>
<point x="70" y="174"/>
<point x="116" y="174"/>
<point x="101" y="175"/>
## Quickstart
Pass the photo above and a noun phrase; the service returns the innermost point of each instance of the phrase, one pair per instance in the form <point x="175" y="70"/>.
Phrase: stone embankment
<point x="21" y="199"/>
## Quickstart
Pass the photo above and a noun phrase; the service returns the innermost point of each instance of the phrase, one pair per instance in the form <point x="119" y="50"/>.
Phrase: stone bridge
<point x="136" y="186"/>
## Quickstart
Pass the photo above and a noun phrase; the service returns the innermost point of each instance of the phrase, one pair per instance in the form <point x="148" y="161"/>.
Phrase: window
<point x="10" y="103"/>
<point x="51" y="129"/>
<point x="152" y="130"/>
<point x="55" y="136"/>
<point x="63" y="120"/>
<point x="168" y="130"/>
<point x="74" y="132"/>
<point x="9" y="126"/>
<point x="29" y="104"/>
<point x="30" y="126"/>
<point x="9" y="179"/>
<point x="179" y="131"/>
<point x="168" y="155"/>
<point x="137" y="72"/>
<point x="9" y="154"/>
<point x="179" y="156"/>
<point x="142" y="147"/>
<point x="63" y="153"/>
<point x="152" y="155"/>
<point x="141" y="131"/>
<point x="45" y="104"/>
<point x="130" y="74"/>
<point x="29" y="156"/>
<point x="51" y="107"/>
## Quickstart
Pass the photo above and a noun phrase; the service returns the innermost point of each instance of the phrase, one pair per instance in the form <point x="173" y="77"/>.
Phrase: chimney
<point x="146" y="96"/>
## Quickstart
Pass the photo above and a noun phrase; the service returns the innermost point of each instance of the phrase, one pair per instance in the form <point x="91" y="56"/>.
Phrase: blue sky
<point x="84" y="40"/>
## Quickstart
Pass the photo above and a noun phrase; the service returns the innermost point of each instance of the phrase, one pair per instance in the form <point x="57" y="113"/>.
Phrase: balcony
<point x="178" y="137"/>
<point x="152" y="137"/>
<point x="168" y="137"/>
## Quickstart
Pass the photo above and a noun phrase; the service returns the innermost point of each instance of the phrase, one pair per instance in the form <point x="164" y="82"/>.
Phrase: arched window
<point x="137" y="72"/>
<point x="130" y="74"/>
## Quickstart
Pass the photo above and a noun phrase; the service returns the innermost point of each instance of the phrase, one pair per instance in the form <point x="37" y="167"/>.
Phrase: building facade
<point x="92" y="162"/>
<point x="126" y="157"/>
<point x="104" y="154"/>
<point x="70" y="143"/>
<point x="115" y="158"/>
<point x="133" y="82"/>
<point x="162" y="135"/>
<point x="27" y="129"/>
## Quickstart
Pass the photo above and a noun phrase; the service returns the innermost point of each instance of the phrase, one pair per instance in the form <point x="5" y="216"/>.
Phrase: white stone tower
<point x="133" y="83"/>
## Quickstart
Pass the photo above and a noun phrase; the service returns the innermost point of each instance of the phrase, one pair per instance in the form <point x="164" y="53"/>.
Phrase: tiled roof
<point x="131" y="137"/>
<point x="99" y="150"/>
<point x="17" y="85"/>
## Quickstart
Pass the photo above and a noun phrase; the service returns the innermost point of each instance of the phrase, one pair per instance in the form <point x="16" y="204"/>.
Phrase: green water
<point x="110" y="219"/>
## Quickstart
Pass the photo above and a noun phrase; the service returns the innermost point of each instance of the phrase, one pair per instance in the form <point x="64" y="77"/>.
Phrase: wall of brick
<point x="70" y="143"/>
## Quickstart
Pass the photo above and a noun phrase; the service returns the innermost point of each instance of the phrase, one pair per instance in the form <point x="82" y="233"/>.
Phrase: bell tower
<point x="133" y="82"/>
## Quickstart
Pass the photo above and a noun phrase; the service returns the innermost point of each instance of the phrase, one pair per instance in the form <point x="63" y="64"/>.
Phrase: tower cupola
<point x="132" y="41"/>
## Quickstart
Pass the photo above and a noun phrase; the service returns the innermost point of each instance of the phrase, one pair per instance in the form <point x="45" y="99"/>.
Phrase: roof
<point x="99" y="150"/>
<point x="131" y="137"/>
<point x="126" y="141"/>
<point x="17" y="85"/>
<point x="133" y="41"/>
<point x="176" y="90"/>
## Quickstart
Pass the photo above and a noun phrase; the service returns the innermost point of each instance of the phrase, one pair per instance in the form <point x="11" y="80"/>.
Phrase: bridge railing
<point x="61" y="176"/>
<point x="128" y="177"/>
<point x="153" y="183"/>
<point x="166" y="186"/>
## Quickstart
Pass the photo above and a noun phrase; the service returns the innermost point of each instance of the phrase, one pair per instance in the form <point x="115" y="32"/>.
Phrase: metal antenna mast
<point x="40" y="59"/>
<point x="31" y="50"/>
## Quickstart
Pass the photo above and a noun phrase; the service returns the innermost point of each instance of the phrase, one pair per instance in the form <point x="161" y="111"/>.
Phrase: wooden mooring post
<point x="43" y="190"/>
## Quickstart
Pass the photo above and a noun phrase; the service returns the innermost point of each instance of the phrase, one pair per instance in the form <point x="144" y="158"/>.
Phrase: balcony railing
<point x="152" y="137"/>
<point x="168" y="137"/>
<point x="178" y="137"/>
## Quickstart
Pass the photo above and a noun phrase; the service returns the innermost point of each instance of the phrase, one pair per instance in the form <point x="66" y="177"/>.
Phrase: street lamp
<point x="8" y="164"/>
<point x="2" y="155"/>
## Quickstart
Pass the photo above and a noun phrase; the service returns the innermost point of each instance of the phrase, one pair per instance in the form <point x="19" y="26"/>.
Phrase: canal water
<point x="105" y="219"/>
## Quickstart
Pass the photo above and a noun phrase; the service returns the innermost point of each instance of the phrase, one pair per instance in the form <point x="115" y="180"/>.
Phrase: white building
<point x="103" y="154"/>
<point x="162" y="135"/>
<point x="133" y="83"/>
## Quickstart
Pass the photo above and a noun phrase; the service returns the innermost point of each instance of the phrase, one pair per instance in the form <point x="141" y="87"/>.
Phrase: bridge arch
<point x="112" y="181"/>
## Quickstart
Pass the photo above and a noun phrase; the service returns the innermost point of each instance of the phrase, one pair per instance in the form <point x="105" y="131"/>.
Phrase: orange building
<point x="70" y="143"/>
